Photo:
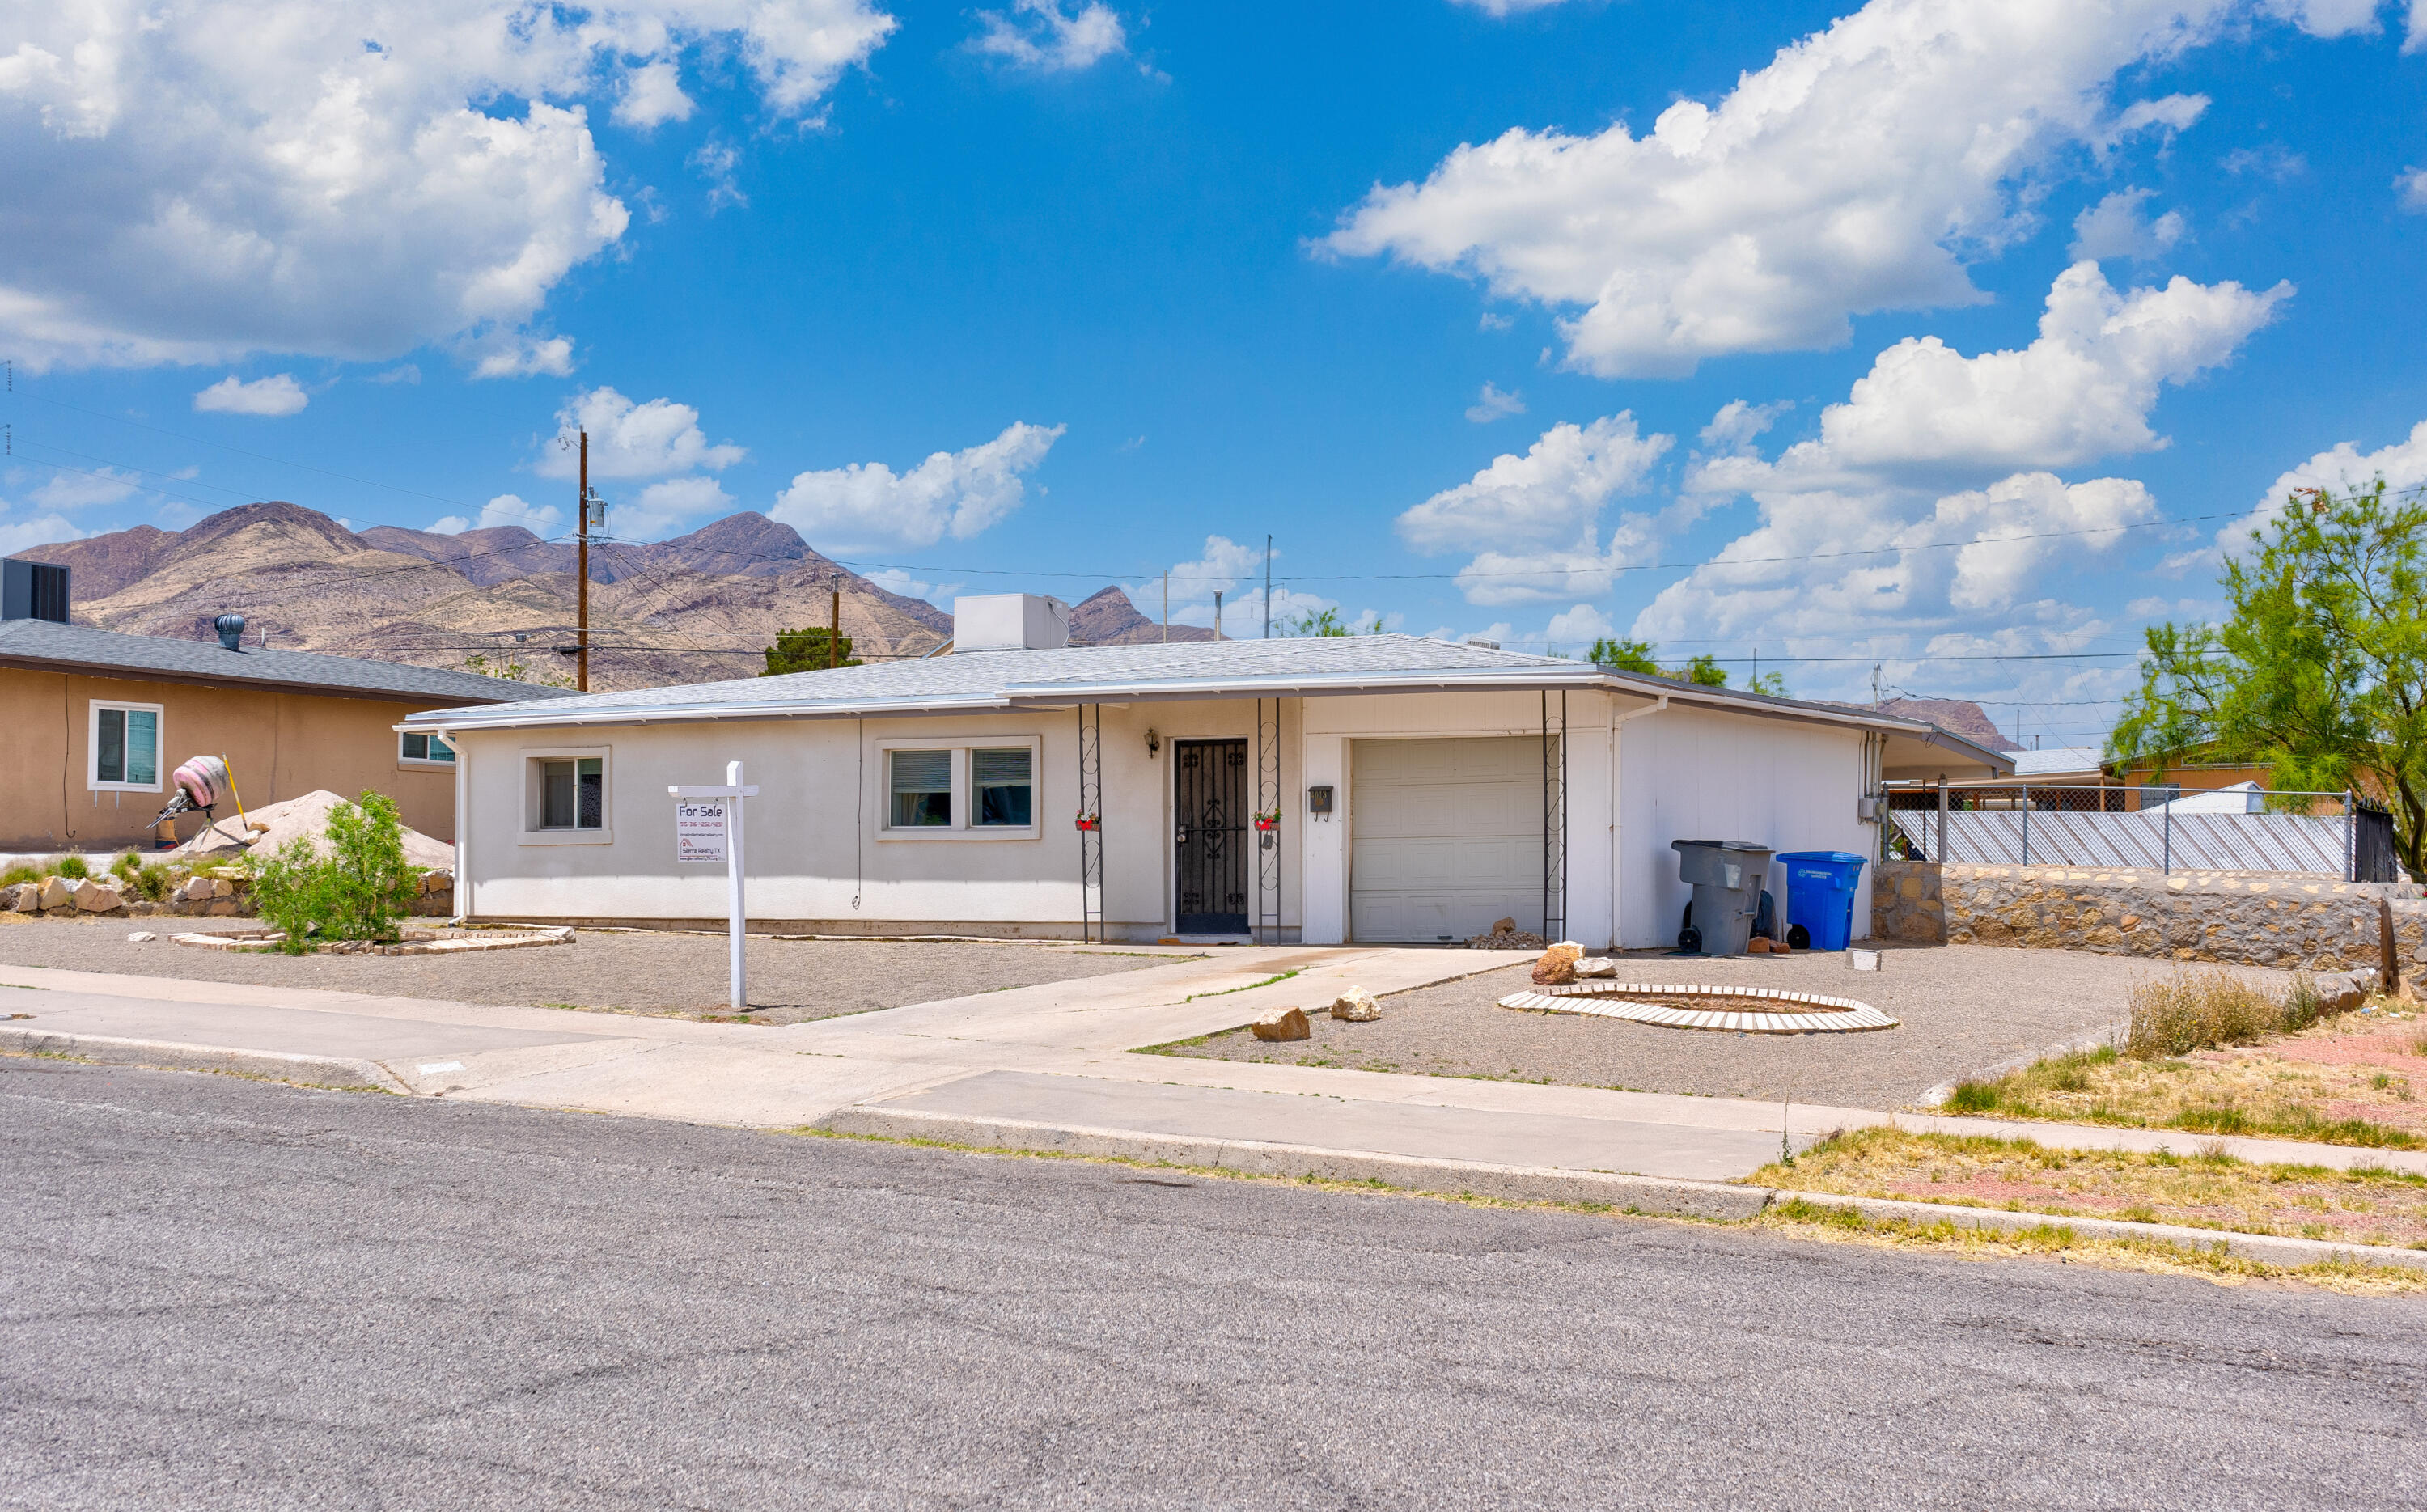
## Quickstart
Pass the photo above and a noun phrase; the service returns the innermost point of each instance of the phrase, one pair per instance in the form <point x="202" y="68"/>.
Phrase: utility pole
<point x="1217" y="615"/>
<point x="1268" y="587"/>
<point x="581" y="589"/>
<point x="1875" y="685"/>
<point x="834" y="629"/>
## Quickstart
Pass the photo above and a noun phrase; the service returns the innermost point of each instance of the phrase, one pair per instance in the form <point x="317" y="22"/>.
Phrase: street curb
<point x="1636" y="1193"/>
<point x="167" y="1055"/>
<point x="1658" y="1196"/>
<point x="2273" y="1250"/>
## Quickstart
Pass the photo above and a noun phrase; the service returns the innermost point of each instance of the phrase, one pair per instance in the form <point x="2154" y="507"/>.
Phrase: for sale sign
<point x="699" y="829"/>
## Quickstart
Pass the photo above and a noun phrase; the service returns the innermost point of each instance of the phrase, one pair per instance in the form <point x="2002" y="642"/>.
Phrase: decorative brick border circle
<point x="1832" y="1016"/>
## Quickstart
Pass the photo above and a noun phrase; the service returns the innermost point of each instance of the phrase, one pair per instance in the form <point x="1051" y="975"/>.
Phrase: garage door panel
<point x="1447" y="836"/>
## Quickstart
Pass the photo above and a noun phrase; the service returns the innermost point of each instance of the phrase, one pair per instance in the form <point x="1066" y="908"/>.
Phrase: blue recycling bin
<point x="1820" y="895"/>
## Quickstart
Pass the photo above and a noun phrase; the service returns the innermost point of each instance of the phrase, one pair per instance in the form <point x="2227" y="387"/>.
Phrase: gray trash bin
<point x="1726" y="877"/>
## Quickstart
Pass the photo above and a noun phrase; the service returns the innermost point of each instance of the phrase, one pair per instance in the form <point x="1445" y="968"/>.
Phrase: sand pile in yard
<point x="305" y="817"/>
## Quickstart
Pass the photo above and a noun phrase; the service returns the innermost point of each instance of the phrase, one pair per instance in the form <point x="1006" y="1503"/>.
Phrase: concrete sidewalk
<point x="1045" y="1067"/>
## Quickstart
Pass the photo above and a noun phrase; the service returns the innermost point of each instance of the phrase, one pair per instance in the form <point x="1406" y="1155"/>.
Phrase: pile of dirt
<point x="1508" y="939"/>
<point x="267" y="829"/>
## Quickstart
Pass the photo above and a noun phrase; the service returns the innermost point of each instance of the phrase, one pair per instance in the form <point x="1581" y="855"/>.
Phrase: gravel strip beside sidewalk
<point x="1962" y="1007"/>
<point x="790" y="980"/>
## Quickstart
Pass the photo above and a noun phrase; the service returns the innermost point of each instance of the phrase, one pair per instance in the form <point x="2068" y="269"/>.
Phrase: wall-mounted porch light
<point x="1153" y="743"/>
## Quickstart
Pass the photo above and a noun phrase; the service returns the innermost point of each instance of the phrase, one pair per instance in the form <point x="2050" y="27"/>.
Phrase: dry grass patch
<point x="2210" y="1190"/>
<point x="2210" y="1053"/>
<point x="1805" y="1218"/>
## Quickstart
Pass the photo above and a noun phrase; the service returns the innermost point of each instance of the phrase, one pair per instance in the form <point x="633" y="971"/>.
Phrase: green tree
<point x="2319" y="672"/>
<point x="1328" y="621"/>
<point x="1703" y="670"/>
<point x="806" y="651"/>
<point x="1626" y="656"/>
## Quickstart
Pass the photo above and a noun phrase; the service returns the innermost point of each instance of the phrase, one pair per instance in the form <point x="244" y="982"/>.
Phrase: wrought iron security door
<point x="1214" y="843"/>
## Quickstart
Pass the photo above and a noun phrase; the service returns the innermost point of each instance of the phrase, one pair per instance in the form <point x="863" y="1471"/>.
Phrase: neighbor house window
<point x="125" y="746"/>
<point x="1001" y="785"/>
<point x="923" y="790"/>
<point x="413" y="745"/>
<point x="573" y="793"/>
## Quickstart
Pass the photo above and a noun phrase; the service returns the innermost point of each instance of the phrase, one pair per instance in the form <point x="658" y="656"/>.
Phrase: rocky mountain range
<point x="694" y="609"/>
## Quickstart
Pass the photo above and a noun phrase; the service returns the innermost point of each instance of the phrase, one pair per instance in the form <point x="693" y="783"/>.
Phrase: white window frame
<point x="964" y="789"/>
<point x="93" y="746"/>
<point x="424" y="763"/>
<point x="532" y="757"/>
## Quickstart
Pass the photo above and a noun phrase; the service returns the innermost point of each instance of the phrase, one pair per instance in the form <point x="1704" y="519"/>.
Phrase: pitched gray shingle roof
<point x="42" y="643"/>
<point x="1199" y="669"/>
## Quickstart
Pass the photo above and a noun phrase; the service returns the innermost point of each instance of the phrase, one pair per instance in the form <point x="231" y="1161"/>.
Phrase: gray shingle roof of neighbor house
<point x="1291" y="668"/>
<point x="46" y="645"/>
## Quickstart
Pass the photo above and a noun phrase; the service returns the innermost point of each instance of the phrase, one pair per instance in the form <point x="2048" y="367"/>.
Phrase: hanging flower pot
<point x="1090" y="821"/>
<point x="1269" y="821"/>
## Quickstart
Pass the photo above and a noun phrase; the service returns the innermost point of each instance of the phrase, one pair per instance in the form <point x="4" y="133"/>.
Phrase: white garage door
<point x="1447" y="836"/>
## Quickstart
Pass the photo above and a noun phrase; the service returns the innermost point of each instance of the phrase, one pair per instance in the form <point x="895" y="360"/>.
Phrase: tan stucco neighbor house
<point x="96" y="721"/>
<point x="1372" y="788"/>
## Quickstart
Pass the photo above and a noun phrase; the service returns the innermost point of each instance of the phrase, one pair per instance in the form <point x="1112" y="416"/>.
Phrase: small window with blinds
<point x="1002" y="784"/>
<point x="923" y="790"/>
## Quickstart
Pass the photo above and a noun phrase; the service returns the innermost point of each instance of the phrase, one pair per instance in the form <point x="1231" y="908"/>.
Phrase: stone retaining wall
<point x="2244" y="917"/>
<point x="222" y="892"/>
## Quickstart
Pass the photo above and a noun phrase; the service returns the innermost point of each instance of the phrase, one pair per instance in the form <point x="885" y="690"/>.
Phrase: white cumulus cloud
<point x="66" y="490"/>
<point x="2410" y="185"/>
<point x="1855" y="173"/>
<point x="277" y="394"/>
<point x="2338" y="470"/>
<point x="953" y="492"/>
<point x="1046" y="36"/>
<point x="1927" y="515"/>
<point x="1532" y="522"/>
<point x="196" y="181"/>
<point x="2083" y="390"/>
<point x="1494" y="403"/>
<point x="2119" y="226"/>
<point x="629" y="440"/>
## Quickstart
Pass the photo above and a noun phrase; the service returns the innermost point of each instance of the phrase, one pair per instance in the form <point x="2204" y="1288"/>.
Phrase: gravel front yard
<point x="1963" y="1008"/>
<point x="642" y="971"/>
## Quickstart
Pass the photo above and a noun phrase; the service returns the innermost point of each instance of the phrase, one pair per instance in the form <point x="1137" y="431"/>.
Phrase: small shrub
<point x="72" y="865"/>
<point x="2200" y="1010"/>
<point x="19" y="872"/>
<point x="145" y="879"/>
<point x="358" y="892"/>
<point x="1972" y="1096"/>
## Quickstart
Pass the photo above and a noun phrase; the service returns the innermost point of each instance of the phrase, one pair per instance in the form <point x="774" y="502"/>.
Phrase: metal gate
<point x="2372" y="855"/>
<point x="1211" y="849"/>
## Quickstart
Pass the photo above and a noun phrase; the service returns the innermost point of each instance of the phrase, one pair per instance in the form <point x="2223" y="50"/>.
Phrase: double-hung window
<point x="939" y="789"/>
<point x="923" y="790"/>
<point x="124" y="742"/>
<point x="1003" y="788"/>
<point x="565" y="801"/>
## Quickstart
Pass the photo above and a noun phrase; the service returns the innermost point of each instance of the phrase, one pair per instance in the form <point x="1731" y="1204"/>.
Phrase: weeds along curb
<point x="340" y="1073"/>
<point x="1518" y="1183"/>
<point x="1651" y="1195"/>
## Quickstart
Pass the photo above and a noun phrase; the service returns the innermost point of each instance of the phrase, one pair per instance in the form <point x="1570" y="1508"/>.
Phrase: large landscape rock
<point x="98" y="897"/>
<point x="58" y="892"/>
<point x="1557" y="965"/>
<point x="1287" y="1023"/>
<point x="304" y="818"/>
<point x="1356" y="1005"/>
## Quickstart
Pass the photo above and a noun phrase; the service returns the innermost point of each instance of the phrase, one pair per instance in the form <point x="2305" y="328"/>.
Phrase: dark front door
<point x="1210" y="804"/>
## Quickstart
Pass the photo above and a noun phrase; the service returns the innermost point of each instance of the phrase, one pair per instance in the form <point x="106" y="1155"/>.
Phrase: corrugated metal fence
<point x="2300" y="843"/>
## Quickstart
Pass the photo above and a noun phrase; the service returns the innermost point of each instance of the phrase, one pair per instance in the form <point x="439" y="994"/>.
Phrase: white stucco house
<point x="1365" y="788"/>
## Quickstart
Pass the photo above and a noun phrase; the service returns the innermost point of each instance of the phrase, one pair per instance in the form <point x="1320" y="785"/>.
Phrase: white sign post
<point x="707" y="827"/>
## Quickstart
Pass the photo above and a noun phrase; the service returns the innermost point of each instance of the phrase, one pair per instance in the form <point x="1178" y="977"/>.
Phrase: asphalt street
<point x="224" y="1293"/>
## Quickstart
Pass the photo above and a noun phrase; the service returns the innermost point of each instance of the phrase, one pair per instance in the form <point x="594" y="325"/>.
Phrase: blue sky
<point x="1495" y="316"/>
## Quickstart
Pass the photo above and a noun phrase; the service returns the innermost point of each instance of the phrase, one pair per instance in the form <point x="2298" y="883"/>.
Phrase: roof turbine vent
<point x="230" y="628"/>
